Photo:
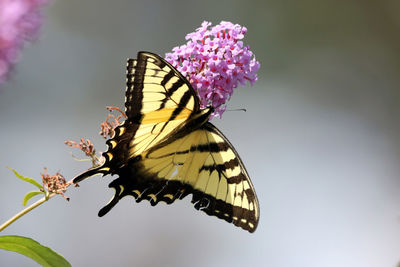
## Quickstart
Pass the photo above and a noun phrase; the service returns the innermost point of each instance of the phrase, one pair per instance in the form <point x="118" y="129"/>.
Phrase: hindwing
<point x="202" y="163"/>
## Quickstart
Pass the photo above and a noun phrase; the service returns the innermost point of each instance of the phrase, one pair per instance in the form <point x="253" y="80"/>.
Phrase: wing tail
<point x="88" y="174"/>
<point x="117" y="184"/>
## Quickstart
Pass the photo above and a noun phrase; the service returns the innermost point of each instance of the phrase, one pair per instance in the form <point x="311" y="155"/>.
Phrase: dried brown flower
<point x="87" y="147"/>
<point x="55" y="183"/>
<point x="107" y="127"/>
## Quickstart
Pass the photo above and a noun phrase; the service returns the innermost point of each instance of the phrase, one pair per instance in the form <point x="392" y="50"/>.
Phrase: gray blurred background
<point x="320" y="137"/>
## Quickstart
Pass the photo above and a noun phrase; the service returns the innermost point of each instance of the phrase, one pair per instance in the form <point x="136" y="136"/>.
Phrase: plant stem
<point x="25" y="211"/>
<point x="28" y="209"/>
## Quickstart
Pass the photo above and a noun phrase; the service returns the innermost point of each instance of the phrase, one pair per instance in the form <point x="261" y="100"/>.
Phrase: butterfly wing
<point x="159" y="101"/>
<point x="161" y="153"/>
<point x="203" y="163"/>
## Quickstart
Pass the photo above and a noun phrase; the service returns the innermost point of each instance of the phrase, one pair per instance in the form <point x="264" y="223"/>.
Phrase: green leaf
<point x="27" y="179"/>
<point x="32" y="249"/>
<point x="31" y="195"/>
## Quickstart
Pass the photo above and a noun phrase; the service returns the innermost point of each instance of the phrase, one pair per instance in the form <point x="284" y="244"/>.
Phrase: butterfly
<point x="166" y="149"/>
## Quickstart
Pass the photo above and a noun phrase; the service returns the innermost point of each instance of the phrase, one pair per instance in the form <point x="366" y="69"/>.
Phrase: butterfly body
<point x="167" y="149"/>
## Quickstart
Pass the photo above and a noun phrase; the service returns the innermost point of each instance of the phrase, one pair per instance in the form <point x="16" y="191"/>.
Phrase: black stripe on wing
<point x="134" y="86"/>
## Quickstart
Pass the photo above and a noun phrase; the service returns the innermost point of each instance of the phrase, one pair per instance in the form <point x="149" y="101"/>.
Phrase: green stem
<point x="25" y="211"/>
<point x="28" y="209"/>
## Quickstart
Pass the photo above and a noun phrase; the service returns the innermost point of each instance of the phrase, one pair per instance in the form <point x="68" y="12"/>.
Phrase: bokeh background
<point x="320" y="137"/>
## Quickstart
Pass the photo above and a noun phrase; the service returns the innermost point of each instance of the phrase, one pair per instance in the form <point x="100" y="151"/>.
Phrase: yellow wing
<point x="159" y="101"/>
<point x="202" y="163"/>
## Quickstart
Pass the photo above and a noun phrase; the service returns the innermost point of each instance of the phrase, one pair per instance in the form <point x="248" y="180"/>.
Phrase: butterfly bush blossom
<point x="215" y="61"/>
<point x="20" y="21"/>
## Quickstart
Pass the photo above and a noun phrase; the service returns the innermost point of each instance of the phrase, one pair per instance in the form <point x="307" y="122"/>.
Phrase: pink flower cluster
<point x="20" y="21"/>
<point x="215" y="61"/>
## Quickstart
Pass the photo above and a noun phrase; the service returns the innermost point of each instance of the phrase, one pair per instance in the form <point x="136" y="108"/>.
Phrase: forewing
<point x="159" y="101"/>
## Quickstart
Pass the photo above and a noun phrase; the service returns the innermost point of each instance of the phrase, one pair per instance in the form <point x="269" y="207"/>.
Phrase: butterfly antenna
<point x="239" y="109"/>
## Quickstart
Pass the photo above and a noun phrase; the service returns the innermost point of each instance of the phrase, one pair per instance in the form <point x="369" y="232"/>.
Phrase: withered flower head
<point x="87" y="147"/>
<point x="55" y="183"/>
<point x="108" y="127"/>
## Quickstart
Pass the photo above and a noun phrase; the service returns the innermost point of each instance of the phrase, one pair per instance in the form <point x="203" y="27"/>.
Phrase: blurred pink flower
<point x="215" y="61"/>
<point x="20" y="21"/>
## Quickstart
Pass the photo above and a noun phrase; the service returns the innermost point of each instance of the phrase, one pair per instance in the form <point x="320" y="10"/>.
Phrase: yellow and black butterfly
<point x="166" y="149"/>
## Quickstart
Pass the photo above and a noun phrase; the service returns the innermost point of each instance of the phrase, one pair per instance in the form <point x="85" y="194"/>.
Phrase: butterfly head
<point x="204" y="114"/>
<point x="199" y="118"/>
